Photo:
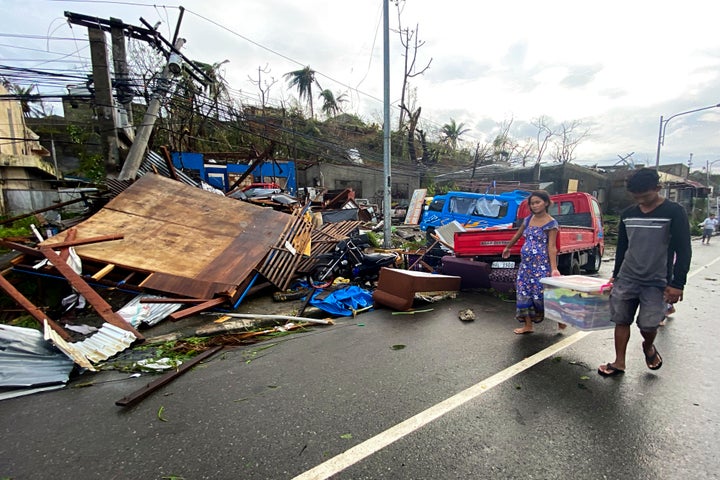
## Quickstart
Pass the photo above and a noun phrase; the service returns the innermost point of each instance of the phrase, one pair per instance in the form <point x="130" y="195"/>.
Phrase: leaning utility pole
<point x="137" y="150"/>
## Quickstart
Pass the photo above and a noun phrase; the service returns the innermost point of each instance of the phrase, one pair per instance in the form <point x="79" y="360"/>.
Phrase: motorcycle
<point x="350" y="261"/>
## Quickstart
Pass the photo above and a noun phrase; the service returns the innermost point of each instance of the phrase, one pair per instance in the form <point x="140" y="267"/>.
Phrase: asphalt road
<point x="422" y="396"/>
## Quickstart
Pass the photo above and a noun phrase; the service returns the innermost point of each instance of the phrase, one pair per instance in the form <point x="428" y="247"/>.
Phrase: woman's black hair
<point x="542" y="195"/>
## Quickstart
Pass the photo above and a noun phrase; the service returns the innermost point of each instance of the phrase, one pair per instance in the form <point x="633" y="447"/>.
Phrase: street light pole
<point x="663" y="127"/>
<point x="708" y="166"/>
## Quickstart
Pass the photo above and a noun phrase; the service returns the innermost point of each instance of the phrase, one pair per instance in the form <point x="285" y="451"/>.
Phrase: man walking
<point x="708" y="225"/>
<point x="651" y="266"/>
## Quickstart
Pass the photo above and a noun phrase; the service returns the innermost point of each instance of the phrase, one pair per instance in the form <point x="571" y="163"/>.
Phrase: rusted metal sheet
<point x="191" y="242"/>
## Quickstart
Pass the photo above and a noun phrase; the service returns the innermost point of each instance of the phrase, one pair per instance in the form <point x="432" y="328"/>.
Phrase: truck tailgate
<point x="485" y="242"/>
<point x="492" y="242"/>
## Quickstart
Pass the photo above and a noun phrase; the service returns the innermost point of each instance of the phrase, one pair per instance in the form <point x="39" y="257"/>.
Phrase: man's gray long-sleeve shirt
<point x="654" y="248"/>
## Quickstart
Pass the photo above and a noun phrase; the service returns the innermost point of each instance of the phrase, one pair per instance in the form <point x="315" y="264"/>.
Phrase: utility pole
<point x="137" y="150"/>
<point x="387" y="191"/>
<point x="104" y="105"/>
<point x="122" y="77"/>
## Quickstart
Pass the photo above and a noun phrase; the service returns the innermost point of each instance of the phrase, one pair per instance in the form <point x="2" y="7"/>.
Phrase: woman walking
<point x="538" y="260"/>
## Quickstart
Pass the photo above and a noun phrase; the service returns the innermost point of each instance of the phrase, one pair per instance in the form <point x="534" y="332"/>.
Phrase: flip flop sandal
<point x="650" y="359"/>
<point x="612" y="371"/>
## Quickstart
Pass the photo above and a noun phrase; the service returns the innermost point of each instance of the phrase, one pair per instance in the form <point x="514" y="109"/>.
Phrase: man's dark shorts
<point x="625" y="298"/>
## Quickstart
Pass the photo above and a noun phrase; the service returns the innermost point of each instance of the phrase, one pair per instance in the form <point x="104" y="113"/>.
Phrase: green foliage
<point x="413" y="245"/>
<point x="91" y="164"/>
<point x="610" y="226"/>
<point x="374" y="238"/>
<point x="26" y="321"/>
<point x="19" y="228"/>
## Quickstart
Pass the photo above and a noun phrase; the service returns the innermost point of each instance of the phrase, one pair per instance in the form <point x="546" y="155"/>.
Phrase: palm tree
<point x="26" y="98"/>
<point x="303" y="80"/>
<point x="331" y="103"/>
<point x="451" y="133"/>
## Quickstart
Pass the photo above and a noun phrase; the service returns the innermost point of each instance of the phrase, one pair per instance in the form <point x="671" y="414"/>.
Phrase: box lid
<point x="580" y="283"/>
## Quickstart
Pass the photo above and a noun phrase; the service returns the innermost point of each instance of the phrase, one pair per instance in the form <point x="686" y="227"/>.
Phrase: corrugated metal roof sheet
<point x="103" y="344"/>
<point x="26" y="359"/>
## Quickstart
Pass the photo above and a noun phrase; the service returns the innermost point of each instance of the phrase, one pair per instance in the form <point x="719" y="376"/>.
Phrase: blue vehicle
<point x="473" y="210"/>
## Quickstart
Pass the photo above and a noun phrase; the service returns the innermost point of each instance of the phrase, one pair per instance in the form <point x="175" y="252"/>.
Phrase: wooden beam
<point x="103" y="271"/>
<point x="34" y="212"/>
<point x="65" y="252"/>
<point x="37" y="314"/>
<point x="98" y="303"/>
<point x="165" y="379"/>
<point x="180" y="314"/>
<point x="85" y="241"/>
<point x="21" y="248"/>
<point x="176" y="300"/>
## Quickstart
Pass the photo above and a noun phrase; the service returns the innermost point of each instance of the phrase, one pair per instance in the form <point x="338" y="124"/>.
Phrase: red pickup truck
<point x="580" y="242"/>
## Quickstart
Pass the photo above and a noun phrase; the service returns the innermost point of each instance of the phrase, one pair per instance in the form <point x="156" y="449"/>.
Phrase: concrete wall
<point x="367" y="181"/>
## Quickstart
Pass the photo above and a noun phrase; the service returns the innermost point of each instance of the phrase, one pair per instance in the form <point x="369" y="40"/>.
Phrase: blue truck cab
<point x="473" y="210"/>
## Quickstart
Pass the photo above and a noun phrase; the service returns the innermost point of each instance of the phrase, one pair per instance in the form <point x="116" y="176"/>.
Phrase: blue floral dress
<point x="535" y="264"/>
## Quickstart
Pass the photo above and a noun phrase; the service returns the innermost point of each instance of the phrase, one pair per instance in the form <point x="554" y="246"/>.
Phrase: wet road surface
<point x="400" y="396"/>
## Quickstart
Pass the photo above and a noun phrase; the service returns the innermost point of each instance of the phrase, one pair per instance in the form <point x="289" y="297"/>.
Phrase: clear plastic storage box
<point x="583" y="302"/>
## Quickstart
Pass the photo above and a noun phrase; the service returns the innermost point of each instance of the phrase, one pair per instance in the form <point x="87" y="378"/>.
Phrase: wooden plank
<point x="53" y="207"/>
<point x="180" y="314"/>
<point x="36" y="313"/>
<point x="101" y="307"/>
<point x="86" y="241"/>
<point x="194" y="243"/>
<point x="21" y="248"/>
<point x="103" y="271"/>
<point x="412" y="217"/>
<point x="176" y="300"/>
<point x="65" y="252"/>
<point x="165" y="379"/>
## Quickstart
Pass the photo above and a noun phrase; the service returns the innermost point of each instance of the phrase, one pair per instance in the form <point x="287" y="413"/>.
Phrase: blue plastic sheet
<point x="343" y="301"/>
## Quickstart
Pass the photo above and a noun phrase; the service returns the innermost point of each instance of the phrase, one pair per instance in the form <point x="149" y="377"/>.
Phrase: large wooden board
<point x="193" y="242"/>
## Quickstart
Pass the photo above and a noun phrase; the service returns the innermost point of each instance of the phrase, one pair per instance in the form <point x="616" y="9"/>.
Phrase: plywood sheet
<point x="194" y="242"/>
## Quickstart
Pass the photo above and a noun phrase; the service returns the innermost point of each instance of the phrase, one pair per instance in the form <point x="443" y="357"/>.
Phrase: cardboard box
<point x="578" y="300"/>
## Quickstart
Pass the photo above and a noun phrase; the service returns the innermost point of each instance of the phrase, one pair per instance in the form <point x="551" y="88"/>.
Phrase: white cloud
<point x="616" y="66"/>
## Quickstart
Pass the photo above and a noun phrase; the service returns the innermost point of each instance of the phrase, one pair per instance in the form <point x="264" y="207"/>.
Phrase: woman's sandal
<point x="611" y="370"/>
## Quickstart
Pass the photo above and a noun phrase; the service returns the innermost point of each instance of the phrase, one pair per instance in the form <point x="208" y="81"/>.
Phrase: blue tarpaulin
<point x="343" y="301"/>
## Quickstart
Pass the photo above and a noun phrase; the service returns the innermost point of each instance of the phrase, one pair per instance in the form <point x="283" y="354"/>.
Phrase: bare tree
<point x="481" y="153"/>
<point x="568" y="138"/>
<point x="544" y="134"/>
<point x="409" y="39"/>
<point x="524" y="151"/>
<point x="263" y="85"/>
<point x="502" y="146"/>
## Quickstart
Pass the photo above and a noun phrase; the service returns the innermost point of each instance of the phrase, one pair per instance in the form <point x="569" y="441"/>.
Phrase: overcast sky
<point x="614" y="66"/>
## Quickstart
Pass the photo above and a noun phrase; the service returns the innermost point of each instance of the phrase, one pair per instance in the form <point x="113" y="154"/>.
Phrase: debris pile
<point x="170" y="250"/>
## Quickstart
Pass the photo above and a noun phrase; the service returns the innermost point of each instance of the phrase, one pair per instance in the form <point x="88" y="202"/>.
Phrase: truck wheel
<point x="574" y="266"/>
<point x="594" y="261"/>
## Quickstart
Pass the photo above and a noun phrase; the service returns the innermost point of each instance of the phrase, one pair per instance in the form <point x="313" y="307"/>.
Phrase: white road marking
<point x="368" y="447"/>
<point x="704" y="267"/>
<point x="363" y="450"/>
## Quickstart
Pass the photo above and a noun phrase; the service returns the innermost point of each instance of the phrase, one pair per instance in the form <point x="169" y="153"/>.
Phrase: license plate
<point x="503" y="264"/>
